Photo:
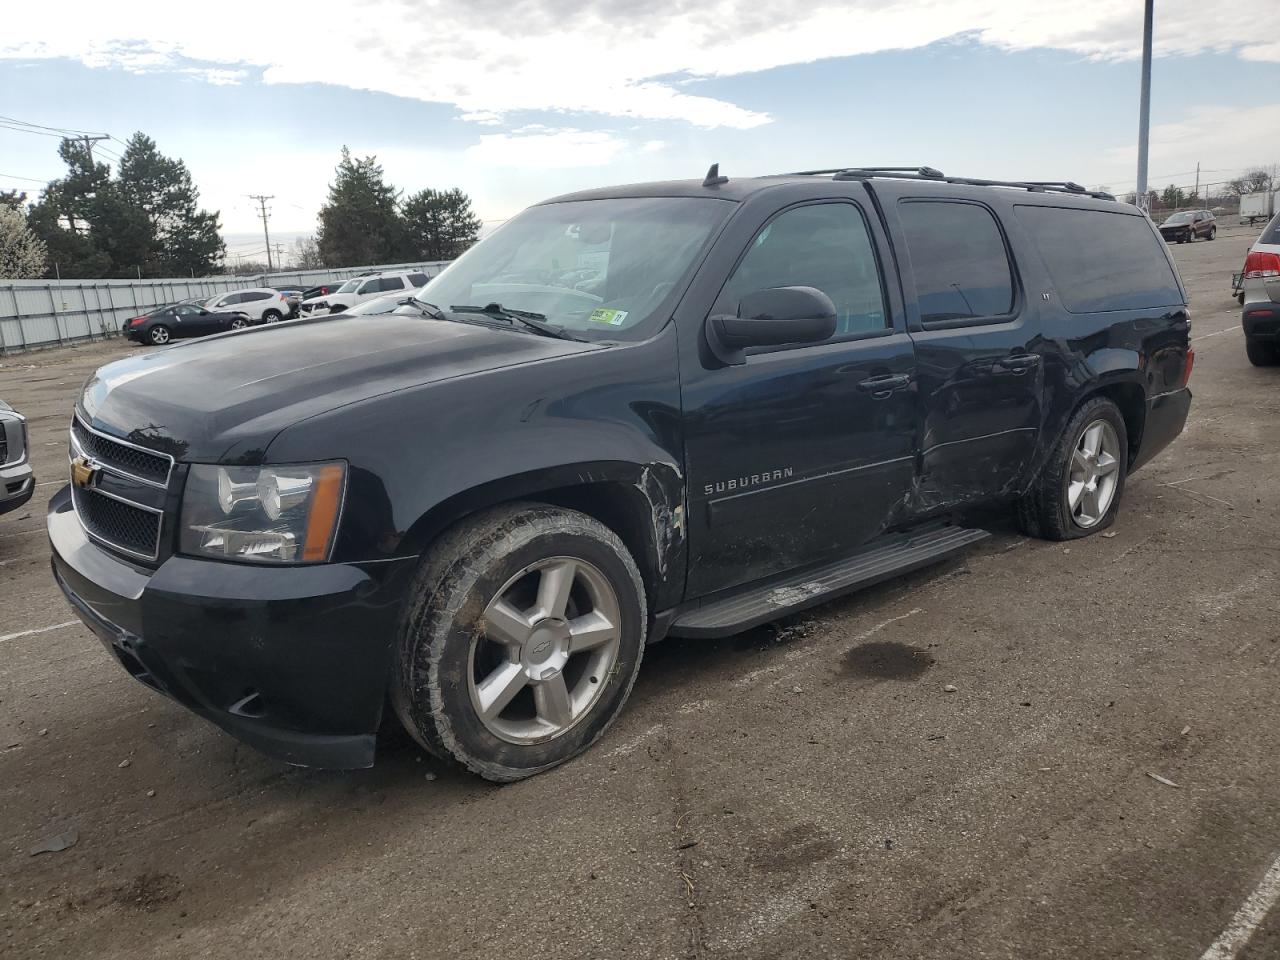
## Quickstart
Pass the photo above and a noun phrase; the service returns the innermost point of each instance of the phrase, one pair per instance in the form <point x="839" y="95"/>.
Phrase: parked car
<point x="320" y="290"/>
<point x="781" y="389"/>
<point x="1260" y="278"/>
<point x="1186" y="226"/>
<point x="181" y="320"/>
<point x="387" y="303"/>
<point x="293" y="296"/>
<point x="17" y="483"/>
<point x="1261" y="322"/>
<point x="261" y="305"/>
<point x="358" y="289"/>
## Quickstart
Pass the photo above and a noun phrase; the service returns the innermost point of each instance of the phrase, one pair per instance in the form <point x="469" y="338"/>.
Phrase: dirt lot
<point x="806" y="791"/>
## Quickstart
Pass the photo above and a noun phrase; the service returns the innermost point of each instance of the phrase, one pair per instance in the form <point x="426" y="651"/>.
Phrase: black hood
<point x="224" y="398"/>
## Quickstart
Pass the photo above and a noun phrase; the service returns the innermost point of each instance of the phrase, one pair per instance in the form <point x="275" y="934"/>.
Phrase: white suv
<point x="261" y="305"/>
<point x="358" y="289"/>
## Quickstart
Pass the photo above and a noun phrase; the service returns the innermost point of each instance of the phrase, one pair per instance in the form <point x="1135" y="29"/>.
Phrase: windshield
<point x="349" y="285"/>
<point x="1178" y="218"/>
<point x="590" y="266"/>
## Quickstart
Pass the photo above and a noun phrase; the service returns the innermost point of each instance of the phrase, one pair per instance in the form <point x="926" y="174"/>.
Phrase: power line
<point x="41" y="126"/>
<point x="14" y="176"/>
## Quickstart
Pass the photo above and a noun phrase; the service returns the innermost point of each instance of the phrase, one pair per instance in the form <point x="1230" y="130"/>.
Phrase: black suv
<point x="667" y="409"/>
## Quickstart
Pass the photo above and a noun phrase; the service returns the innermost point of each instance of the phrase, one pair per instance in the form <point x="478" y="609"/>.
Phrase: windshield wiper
<point x="430" y="309"/>
<point x="534" y="321"/>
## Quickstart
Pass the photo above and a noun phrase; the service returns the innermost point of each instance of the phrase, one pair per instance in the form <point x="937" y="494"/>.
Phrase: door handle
<point x="1019" y="363"/>
<point x="882" y="387"/>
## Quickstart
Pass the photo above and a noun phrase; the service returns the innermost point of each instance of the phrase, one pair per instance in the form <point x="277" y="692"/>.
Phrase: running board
<point x="880" y="561"/>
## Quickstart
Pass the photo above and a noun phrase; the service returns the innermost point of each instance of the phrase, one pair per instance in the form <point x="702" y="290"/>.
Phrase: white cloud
<point x="493" y="57"/>
<point x="653" y="146"/>
<point x="1251" y="134"/>
<point x="556" y="149"/>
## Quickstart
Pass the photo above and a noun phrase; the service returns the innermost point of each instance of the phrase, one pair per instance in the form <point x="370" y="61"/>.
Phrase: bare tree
<point x="1254" y="180"/>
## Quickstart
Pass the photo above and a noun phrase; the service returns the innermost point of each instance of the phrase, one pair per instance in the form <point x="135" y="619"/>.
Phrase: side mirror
<point x="772" y="317"/>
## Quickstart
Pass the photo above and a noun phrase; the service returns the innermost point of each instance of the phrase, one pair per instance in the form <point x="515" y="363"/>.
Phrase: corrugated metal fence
<point x="40" y="313"/>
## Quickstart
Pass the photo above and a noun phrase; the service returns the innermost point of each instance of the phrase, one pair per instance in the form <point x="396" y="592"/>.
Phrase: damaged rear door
<point x="803" y="451"/>
<point x="979" y="349"/>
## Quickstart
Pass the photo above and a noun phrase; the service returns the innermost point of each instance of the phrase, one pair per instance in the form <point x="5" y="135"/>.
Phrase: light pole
<point x="1144" y="107"/>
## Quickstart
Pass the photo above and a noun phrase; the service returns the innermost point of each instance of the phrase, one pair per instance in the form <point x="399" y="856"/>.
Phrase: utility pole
<point x="279" y="256"/>
<point x="265" y="213"/>
<point x="1197" y="193"/>
<point x="1144" y="107"/>
<point x="88" y="142"/>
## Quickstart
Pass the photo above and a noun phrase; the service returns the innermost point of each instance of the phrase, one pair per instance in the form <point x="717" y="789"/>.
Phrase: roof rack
<point x="933" y="174"/>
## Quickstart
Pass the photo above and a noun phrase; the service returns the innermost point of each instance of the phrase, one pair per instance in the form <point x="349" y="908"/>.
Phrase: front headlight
<point x="276" y="514"/>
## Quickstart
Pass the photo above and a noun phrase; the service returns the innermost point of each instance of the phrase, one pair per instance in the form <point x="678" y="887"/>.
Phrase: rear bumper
<point x="1166" y="416"/>
<point x="1261" y="321"/>
<point x="292" y="660"/>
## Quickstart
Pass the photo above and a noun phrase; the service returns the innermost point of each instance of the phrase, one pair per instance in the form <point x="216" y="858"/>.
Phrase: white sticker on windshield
<point x="612" y="317"/>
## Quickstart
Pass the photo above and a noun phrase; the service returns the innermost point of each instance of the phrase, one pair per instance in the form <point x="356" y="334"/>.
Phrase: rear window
<point x="418" y="279"/>
<point x="958" y="259"/>
<point x="1272" y="233"/>
<point x="1101" y="261"/>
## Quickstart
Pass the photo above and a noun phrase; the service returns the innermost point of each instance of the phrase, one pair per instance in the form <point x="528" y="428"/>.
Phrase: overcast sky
<point x="516" y="100"/>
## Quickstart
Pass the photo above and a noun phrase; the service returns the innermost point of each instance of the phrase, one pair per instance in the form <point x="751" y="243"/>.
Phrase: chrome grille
<point x="126" y="526"/>
<point x="124" y="458"/>
<point x="121" y="504"/>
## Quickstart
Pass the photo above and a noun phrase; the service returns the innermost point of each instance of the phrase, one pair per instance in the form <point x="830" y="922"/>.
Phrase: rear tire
<point x="1261" y="353"/>
<point x="487" y="673"/>
<point x="1213" y="233"/>
<point x="159" y="335"/>
<point x="1061" y="504"/>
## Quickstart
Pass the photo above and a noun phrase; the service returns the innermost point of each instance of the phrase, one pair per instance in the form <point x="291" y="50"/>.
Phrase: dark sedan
<point x="1186" y="226"/>
<point x="180" y="320"/>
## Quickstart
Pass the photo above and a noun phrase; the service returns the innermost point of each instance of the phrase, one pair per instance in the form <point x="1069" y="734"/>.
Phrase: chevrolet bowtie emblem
<point x="82" y="471"/>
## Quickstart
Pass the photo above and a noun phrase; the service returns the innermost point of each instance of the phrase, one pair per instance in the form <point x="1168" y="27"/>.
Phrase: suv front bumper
<point x="292" y="660"/>
<point x="17" y="484"/>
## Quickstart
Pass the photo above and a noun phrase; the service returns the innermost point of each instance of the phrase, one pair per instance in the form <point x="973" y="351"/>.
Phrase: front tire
<point x="1261" y="353"/>
<point x="1079" y="489"/>
<point x="239" y="324"/>
<point x="159" y="335"/>
<point x="524" y="636"/>
<point x="1213" y="233"/>
<point x="272" y="316"/>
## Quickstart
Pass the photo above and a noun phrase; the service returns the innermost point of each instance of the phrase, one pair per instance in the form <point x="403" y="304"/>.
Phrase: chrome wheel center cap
<point x="547" y="649"/>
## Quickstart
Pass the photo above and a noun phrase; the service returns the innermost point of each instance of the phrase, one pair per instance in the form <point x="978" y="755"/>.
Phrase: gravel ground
<point x="804" y="790"/>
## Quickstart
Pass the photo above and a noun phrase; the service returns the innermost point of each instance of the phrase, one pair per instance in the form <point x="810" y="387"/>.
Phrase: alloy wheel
<point x="1094" y="473"/>
<point x="549" y="639"/>
<point x="159" y="335"/>
<point x="238" y="324"/>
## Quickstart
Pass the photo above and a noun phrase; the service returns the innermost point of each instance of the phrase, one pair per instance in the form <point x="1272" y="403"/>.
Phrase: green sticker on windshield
<point x="612" y="317"/>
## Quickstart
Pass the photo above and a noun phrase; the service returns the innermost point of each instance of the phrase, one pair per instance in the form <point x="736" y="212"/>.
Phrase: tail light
<point x="1186" y="369"/>
<point x="1259" y="264"/>
<point x="135" y="321"/>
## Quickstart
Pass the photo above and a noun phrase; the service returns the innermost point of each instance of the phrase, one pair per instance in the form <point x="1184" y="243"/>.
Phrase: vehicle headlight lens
<point x="275" y="514"/>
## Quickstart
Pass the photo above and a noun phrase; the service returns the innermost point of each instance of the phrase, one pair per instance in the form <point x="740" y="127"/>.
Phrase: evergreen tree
<point x="439" y="225"/>
<point x="360" y="224"/>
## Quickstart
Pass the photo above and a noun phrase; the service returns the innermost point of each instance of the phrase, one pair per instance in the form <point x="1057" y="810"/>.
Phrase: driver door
<point x="801" y="453"/>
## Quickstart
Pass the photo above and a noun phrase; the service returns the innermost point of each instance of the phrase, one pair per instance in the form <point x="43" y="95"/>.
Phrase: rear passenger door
<point x="978" y="353"/>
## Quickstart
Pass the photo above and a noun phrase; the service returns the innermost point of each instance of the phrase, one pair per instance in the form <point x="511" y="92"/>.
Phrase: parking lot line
<point x="1251" y="913"/>
<point x="28" y="633"/>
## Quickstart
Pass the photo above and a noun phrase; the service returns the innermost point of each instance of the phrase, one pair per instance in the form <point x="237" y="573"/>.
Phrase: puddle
<point x="887" y="661"/>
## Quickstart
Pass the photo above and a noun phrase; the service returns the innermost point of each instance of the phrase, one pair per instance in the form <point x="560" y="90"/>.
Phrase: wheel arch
<point x="642" y="504"/>
<point x="1131" y="399"/>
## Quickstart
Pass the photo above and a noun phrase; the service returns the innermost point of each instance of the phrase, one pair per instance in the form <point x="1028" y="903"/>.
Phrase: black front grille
<point x="149" y="466"/>
<point x="118" y="524"/>
<point x="4" y="445"/>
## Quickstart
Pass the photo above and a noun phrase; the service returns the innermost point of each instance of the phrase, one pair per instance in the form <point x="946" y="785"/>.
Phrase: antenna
<point x="713" y="178"/>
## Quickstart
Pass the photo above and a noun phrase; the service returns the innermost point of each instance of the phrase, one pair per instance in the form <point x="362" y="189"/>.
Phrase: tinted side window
<point x="251" y="297"/>
<point x="418" y="279"/>
<point x="824" y="245"/>
<point x="391" y="283"/>
<point x="958" y="259"/>
<point x="369" y="286"/>
<point x="229" y="300"/>
<point x="1100" y="260"/>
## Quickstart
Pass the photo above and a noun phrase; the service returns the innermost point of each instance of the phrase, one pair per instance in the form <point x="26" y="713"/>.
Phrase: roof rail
<point x="933" y="174"/>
